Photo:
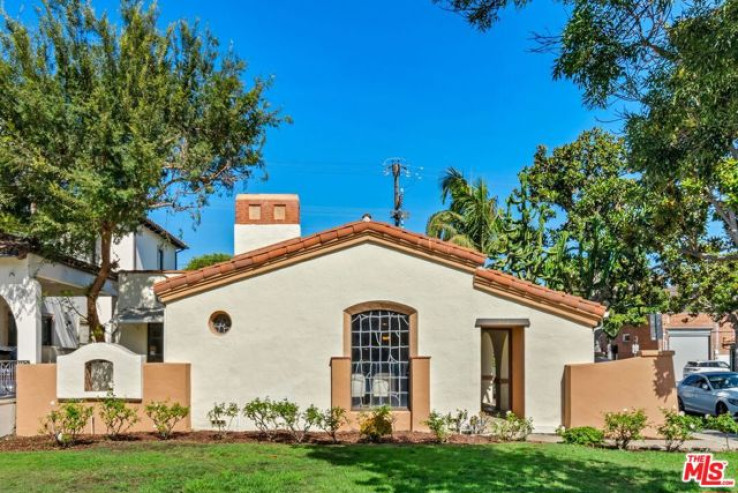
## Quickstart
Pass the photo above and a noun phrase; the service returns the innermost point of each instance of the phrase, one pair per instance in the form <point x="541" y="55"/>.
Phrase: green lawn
<point x="413" y="468"/>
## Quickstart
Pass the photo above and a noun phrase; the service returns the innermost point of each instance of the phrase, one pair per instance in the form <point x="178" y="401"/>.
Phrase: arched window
<point x="98" y="375"/>
<point x="380" y="359"/>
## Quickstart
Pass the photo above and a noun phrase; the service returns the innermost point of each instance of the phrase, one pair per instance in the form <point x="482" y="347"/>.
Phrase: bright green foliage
<point x="591" y="244"/>
<point x="678" y="427"/>
<point x="65" y="424"/>
<point x="296" y="422"/>
<point x="587" y="436"/>
<point x="117" y="416"/>
<point x="524" y="239"/>
<point x="376" y="424"/>
<point x="725" y="424"/>
<point x="625" y="426"/>
<point x="438" y="425"/>
<point x="575" y="223"/>
<point x="472" y="217"/>
<point x="166" y="416"/>
<point x="512" y="427"/>
<point x="221" y="416"/>
<point x="330" y="420"/>
<point x="100" y="124"/>
<point x="207" y="260"/>
<point x="676" y="67"/>
<point x="263" y="415"/>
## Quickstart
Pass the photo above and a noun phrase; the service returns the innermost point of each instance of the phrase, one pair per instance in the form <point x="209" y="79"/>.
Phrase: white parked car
<point x="700" y="366"/>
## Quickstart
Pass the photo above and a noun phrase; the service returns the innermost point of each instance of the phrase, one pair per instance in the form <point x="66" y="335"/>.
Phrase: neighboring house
<point x="690" y="336"/>
<point x="368" y="314"/>
<point x="42" y="304"/>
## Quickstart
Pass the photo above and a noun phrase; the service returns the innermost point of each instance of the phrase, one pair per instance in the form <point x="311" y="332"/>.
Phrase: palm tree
<point x="472" y="219"/>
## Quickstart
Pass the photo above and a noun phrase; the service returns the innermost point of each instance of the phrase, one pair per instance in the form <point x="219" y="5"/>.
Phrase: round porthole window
<point x="220" y="323"/>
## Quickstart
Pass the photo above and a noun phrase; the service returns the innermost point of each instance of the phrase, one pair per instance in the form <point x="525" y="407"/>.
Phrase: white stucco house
<point x="367" y="314"/>
<point x="42" y="308"/>
<point x="361" y="315"/>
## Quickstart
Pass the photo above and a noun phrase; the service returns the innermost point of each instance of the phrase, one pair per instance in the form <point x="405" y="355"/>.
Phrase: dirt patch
<point x="27" y="444"/>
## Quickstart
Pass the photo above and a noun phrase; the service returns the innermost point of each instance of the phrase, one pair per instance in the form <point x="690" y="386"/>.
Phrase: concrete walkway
<point x="708" y="440"/>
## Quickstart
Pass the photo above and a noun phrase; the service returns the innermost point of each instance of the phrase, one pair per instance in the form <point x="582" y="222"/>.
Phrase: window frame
<point x="211" y="321"/>
<point x="412" y="315"/>
<point x="160" y="257"/>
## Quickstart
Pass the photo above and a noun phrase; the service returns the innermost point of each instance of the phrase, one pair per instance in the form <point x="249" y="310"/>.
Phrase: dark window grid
<point x="380" y="353"/>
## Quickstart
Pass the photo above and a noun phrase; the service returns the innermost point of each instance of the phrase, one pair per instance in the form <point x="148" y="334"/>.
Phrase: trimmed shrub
<point x="457" y="422"/>
<point x="221" y="416"/>
<point x="375" y="425"/>
<point x="625" y="426"/>
<point x="725" y="424"/>
<point x="478" y="424"/>
<point x="589" y="436"/>
<point x="438" y="425"/>
<point x="117" y="416"/>
<point x="512" y="427"/>
<point x="677" y="428"/>
<point x="263" y="415"/>
<point x="65" y="424"/>
<point x="330" y="420"/>
<point x="297" y="423"/>
<point x="166" y="416"/>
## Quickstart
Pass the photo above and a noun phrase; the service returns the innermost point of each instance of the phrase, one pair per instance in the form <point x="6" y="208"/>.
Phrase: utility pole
<point x="397" y="168"/>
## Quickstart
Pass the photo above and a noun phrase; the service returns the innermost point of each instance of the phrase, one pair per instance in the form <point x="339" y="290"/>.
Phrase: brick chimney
<point x="265" y="219"/>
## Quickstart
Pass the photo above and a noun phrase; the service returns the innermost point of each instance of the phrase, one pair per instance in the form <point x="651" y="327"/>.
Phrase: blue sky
<point x="365" y="81"/>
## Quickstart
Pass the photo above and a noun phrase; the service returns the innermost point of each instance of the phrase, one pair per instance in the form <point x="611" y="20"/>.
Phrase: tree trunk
<point x="97" y="333"/>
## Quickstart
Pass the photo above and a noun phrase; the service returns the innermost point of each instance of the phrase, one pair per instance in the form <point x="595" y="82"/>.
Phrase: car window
<point x="723" y="364"/>
<point x="698" y="382"/>
<point x="691" y="363"/>
<point x="724" y="381"/>
<point x="689" y="380"/>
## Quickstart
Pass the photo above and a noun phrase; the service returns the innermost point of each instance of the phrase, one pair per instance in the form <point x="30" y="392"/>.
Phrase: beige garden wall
<point x="644" y="382"/>
<point x="288" y="324"/>
<point x="37" y="395"/>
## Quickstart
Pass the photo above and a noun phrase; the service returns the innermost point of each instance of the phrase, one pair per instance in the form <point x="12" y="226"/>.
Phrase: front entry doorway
<point x="497" y="371"/>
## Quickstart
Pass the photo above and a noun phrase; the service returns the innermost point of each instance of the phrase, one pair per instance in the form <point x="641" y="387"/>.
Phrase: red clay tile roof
<point x="526" y="289"/>
<point x="298" y="246"/>
<point x="175" y="286"/>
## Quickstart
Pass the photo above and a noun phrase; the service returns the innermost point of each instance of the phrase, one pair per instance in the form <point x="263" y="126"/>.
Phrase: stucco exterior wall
<point x="139" y="251"/>
<point x="37" y="395"/>
<point x="287" y="325"/>
<point x="7" y="417"/>
<point x="643" y="382"/>
<point x="248" y="237"/>
<point x="134" y="337"/>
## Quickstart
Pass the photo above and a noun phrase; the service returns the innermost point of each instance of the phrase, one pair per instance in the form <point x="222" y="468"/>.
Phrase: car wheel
<point x="721" y="408"/>
<point x="680" y="403"/>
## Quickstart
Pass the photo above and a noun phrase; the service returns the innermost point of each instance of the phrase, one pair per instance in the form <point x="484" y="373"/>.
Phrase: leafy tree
<point x="674" y="67"/>
<point x="523" y="242"/>
<point x="595" y="223"/>
<point x="574" y="224"/>
<point x="472" y="217"/>
<point x="101" y="124"/>
<point x="206" y="260"/>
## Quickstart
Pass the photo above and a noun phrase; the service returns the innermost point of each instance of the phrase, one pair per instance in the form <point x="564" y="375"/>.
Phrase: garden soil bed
<point x="23" y="444"/>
